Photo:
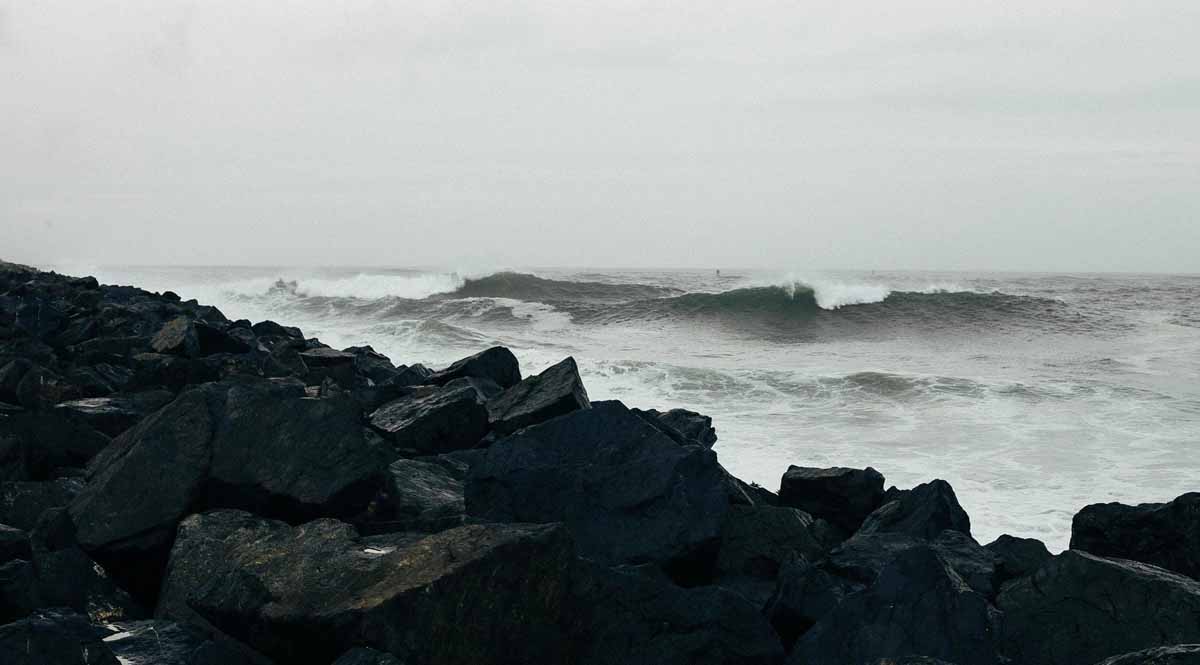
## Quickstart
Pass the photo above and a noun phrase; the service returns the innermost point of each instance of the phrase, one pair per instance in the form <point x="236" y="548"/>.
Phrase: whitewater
<point x="1032" y="394"/>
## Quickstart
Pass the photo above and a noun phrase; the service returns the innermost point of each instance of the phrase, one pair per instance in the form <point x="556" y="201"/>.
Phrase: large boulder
<point x="67" y="577"/>
<point x="1180" y="654"/>
<point x="628" y="493"/>
<point x="37" y="446"/>
<point x="325" y="363"/>
<point x="177" y="337"/>
<point x="304" y="595"/>
<point x="23" y="502"/>
<point x="627" y="618"/>
<point x="18" y="590"/>
<point x="1164" y="534"/>
<point x="1081" y="608"/>
<point x="919" y="606"/>
<point x="439" y="419"/>
<point x="841" y="496"/>
<point x="805" y="593"/>
<point x="253" y="445"/>
<point x="757" y="541"/>
<point x="554" y="392"/>
<point x="863" y="557"/>
<point x="422" y="495"/>
<point x="54" y="637"/>
<point x="922" y="512"/>
<point x="497" y="364"/>
<point x="689" y="424"/>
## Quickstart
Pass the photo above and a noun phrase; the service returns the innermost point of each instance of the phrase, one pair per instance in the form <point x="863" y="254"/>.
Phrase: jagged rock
<point x="689" y="424"/>
<point x="54" y="637"/>
<point x="10" y="378"/>
<point x="554" y="392"/>
<point x="864" y="556"/>
<point x="252" y="445"/>
<point x="14" y="543"/>
<point x="68" y="577"/>
<point x="152" y="370"/>
<point x="323" y="362"/>
<point x="41" y="388"/>
<point x="628" y="493"/>
<point x="113" y="415"/>
<point x="497" y="364"/>
<point x="301" y="595"/>
<point x="270" y="329"/>
<point x="1081" y="608"/>
<point x="804" y="594"/>
<point x="1180" y="654"/>
<point x="18" y="590"/>
<point x="177" y="337"/>
<point x="423" y="495"/>
<point x="922" y="512"/>
<point x="170" y="643"/>
<point x="911" y="660"/>
<point x="1018" y="557"/>
<point x="435" y="419"/>
<point x="412" y="375"/>
<point x="23" y="502"/>
<point x="367" y="656"/>
<point x="34" y="446"/>
<point x="1163" y="534"/>
<point x="627" y="618"/>
<point x="841" y="496"/>
<point x="919" y="606"/>
<point x="100" y="380"/>
<point x="371" y="364"/>
<point x="756" y="542"/>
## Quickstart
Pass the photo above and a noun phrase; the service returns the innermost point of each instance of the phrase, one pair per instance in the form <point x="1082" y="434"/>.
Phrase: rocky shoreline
<point x="181" y="489"/>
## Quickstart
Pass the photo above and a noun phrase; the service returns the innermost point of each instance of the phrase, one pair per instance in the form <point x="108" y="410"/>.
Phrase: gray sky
<point x="1019" y="135"/>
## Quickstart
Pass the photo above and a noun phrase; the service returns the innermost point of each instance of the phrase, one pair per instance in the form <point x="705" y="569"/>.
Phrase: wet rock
<point x="18" y="590"/>
<point x="757" y="541"/>
<point x="153" y="370"/>
<point x="412" y="375"/>
<point x="270" y="329"/>
<point x="922" y="512"/>
<point x="424" y="496"/>
<point x="689" y="424"/>
<point x="169" y="643"/>
<point x="497" y="364"/>
<point x="34" y="446"/>
<point x="372" y="365"/>
<point x="41" y="388"/>
<point x="113" y="415"/>
<point x="1081" y="608"/>
<point x="178" y="337"/>
<point x="864" y="556"/>
<point x="556" y="391"/>
<point x="841" y="496"/>
<point x="624" y="618"/>
<point x="301" y="595"/>
<point x="14" y="544"/>
<point x="54" y="637"/>
<point x="1018" y="557"/>
<point x="1166" y="535"/>
<point x="1180" y="654"/>
<point x="919" y="606"/>
<point x="10" y="377"/>
<point x="804" y="594"/>
<point x="68" y="577"/>
<point x="628" y="493"/>
<point x="23" y="502"/>
<point x="435" y="419"/>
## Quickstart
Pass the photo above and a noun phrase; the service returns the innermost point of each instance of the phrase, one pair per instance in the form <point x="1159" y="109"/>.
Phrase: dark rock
<point x="843" y="497"/>
<point x="1180" y="654"/>
<point x="424" y="496"/>
<point x="756" y="542"/>
<point x="628" y="493"/>
<point x="152" y="370"/>
<point x="39" y="319"/>
<point x="33" y="446"/>
<point x="367" y="656"/>
<point x="1018" y="556"/>
<point x="113" y="415"/>
<point x="805" y="593"/>
<point x="1080" y="608"/>
<point x="911" y="660"/>
<point x="178" y="337"/>
<point x="412" y="375"/>
<point x="252" y="445"/>
<point x="284" y="361"/>
<point x="497" y="363"/>
<point x="23" y="502"/>
<point x="14" y="544"/>
<point x="435" y="419"/>
<point x="18" y="590"/>
<point x="689" y="424"/>
<point x="1166" y="535"/>
<point x="554" y="392"/>
<point x="371" y="364"/>
<point x="272" y="329"/>
<point x="54" y="637"/>
<point x="918" y="606"/>
<point x="10" y="377"/>
<point x="170" y="643"/>
<point x="474" y="594"/>
<point x="100" y="380"/>
<point x="323" y="363"/>
<point x="41" y="388"/>
<point x="864" y="556"/>
<point x="923" y="512"/>
<point x="67" y="577"/>
<point x="624" y="618"/>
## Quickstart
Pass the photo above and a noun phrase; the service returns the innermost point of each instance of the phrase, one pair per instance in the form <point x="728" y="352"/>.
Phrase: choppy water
<point x="1032" y="394"/>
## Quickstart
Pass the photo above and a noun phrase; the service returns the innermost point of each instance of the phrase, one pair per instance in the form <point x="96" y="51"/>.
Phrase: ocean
<point x="1032" y="394"/>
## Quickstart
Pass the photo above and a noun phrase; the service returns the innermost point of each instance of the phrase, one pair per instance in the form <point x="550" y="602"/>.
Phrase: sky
<point x="947" y="135"/>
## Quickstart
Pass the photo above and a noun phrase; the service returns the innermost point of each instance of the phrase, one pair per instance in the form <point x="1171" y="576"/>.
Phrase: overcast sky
<point x="1020" y="134"/>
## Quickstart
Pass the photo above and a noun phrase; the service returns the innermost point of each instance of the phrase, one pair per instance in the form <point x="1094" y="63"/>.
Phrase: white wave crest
<point x="832" y="293"/>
